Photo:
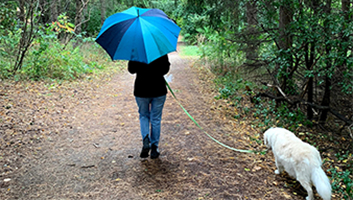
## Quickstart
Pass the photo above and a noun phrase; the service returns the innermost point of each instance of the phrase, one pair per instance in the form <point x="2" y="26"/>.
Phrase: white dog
<point x="300" y="160"/>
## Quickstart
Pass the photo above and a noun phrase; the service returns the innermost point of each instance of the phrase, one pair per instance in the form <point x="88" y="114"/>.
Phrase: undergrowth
<point x="54" y="52"/>
<point x="189" y="50"/>
<point x="341" y="177"/>
<point x="266" y="113"/>
<point x="51" y="61"/>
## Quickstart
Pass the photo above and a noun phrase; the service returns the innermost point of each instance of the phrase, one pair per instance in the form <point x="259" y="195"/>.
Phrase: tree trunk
<point x="345" y="8"/>
<point x="327" y="94"/>
<point x="309" y="61"/>
<point x="78" y="18"/>
<point x="22" y="8"/>
<point x="252" y="47"/>
<point x="54" y="10"/>
<point x="103" y="9"/>
<point x="345" y="39"/>
<point x="27" y="26"/>
<point x="285" y="41"/>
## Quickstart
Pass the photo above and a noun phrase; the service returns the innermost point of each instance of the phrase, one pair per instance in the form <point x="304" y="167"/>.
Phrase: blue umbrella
<point x="138" y="34"/>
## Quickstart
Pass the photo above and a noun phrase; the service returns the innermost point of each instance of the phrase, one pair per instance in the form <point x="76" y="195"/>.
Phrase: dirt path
<point x="95" y="152"/>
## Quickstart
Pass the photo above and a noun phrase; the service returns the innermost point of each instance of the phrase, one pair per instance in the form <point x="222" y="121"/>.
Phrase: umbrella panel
<point x="128" y="48"/>
<point x="141" y="35"/>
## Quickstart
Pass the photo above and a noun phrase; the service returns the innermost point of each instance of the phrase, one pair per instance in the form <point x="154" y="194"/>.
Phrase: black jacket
<point x="149" y="80"/>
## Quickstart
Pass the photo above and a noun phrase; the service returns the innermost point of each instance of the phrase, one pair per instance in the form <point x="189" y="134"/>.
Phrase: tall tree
<point x="309" y="51"/>
<point x="54" y="10"/>
<point x="347" y="17"/>
<point x="79" y="16"/>
<point x="252" y="43"/>
<point x="329" y="69"/>
<point x="103" y="10"/>
<point x="285" y="42"/>
<point x="27" y="18"/>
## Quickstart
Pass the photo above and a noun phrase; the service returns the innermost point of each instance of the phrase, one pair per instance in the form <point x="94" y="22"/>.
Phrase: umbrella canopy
<point x="138" y="34"/>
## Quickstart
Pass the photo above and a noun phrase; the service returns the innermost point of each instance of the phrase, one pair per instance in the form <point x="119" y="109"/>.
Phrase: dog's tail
<point x="322" y="183"/>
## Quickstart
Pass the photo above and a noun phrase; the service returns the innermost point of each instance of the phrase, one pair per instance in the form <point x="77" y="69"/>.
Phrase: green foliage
<point x="266" y="113"/>
<point x="326" y="32"/>
<point x="230" y="87"/>
<point x="318" y="46"/>
<point x="47" y="58"/>
<point x="7" y="16"/>
<point x="342" y="179"/>
<point x="9" y="42"/>
<point x="189" y="51"/>
<point x="190" y="22"/>
<point x="93" y="26"/>
<point x="168" y="6"/>
<point x="9" y="37"/>
<point x="221" y="53"/>
<point x="216" y="15"/>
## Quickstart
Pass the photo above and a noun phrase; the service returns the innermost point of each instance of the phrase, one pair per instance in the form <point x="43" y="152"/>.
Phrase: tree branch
<point x="284" y="97"/>
<point x="350" y="130"/>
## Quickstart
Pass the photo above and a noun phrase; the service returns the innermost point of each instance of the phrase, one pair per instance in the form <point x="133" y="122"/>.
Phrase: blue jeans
<point x="150" y="110"/>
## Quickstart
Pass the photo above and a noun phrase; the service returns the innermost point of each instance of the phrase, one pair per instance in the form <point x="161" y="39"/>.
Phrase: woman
<point x="150" y="93"/>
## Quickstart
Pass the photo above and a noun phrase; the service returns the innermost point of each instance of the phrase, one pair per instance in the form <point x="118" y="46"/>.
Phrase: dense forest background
<point x="300" y="50"/>
<point x="291" y="58"/>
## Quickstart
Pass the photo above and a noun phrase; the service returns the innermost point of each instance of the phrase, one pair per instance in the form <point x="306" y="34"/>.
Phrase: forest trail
<point x="84" y="143"/>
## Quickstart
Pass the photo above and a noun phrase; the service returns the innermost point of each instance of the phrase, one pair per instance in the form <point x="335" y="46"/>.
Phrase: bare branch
<point x="84" y="4"/>
<point x="302" y="102"/>
<point x="280" y="91"/>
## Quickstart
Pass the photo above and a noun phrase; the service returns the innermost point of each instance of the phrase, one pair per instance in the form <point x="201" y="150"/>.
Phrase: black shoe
<point x="154" y="152"/>
<point x="146" y="147"/>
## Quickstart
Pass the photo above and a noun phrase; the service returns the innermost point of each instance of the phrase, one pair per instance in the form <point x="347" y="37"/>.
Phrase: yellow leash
<point x="197" y="124"/>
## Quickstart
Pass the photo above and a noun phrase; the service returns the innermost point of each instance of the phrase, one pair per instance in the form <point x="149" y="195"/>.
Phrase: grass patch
<point x="189" y="51"/>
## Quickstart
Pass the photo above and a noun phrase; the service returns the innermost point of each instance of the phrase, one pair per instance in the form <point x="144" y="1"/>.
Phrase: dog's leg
<point x="279" y="166"/>
<point x="307" y="186"/>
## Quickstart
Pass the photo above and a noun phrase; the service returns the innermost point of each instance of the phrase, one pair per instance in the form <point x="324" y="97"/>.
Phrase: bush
<point x="266" y="113"/>
<point x="48" y="57"/>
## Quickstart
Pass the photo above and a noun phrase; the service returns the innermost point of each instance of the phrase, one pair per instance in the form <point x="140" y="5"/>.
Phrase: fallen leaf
<point x="286" y="195"/>
<point x="256" y="168"/>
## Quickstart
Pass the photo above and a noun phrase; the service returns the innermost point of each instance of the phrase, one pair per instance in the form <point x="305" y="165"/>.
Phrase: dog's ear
<point x="265" y="139"/>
